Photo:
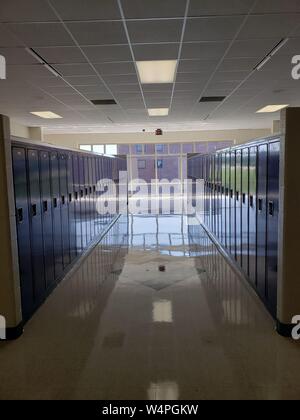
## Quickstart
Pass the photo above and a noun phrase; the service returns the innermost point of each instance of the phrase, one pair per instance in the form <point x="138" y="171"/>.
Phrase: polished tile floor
<point x="119" y="328"/>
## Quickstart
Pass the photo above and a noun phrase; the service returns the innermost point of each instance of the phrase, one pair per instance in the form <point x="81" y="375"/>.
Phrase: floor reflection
<point x="119" y="328"/>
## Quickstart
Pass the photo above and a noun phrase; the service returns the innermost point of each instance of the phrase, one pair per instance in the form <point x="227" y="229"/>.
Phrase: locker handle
<point x="251" y="201"/>
<point x="260" y="204"/>
<point x="70" y="198"/>
<point x="55" y="202"/>
<point x="86" y="191"/>
<point x="45" y="206"/>
<point x="90" y="190"/>
<point x="231" y="193"/>
<point x="237" y="194"/>
<point x="271" y="208"/>
<point x="33" y="210"/>
<point x="94" y="188"/>
<point x="63" y="200"/>
<point x="244" y="198"/>
<point x="20" y="215"/>
<point x="76" y="195"/>
<point x="81" y="193"/>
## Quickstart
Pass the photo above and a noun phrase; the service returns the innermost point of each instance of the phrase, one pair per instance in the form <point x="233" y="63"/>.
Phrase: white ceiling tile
<point x="204" y="50"/>
<point x="269" y="26"/>
<point x="141" y="9"/>
<point x="239" y="64"/>
<point x="156" y="52"/>
<point x="192" y="77"/>
<point x="251" y="48"/>
<point x="98" y="33"/>
<point x="61" y="55"/>
<point x="83" y="80"/>
<point x="26" y="11"/>
<point x="189" y="66"/>
<point x="229" y="76"/>
<point x="75" y="69"/>
<point x="158" y="87"/>
<point x="212" y="29"/>
<point x="219" y="7"/>
<point x="100" y="54"/>
<point x="93" y="9"/>
<point x="130" y="88"/>
<point x="8" y="39"/>
<point x="41" y="34"/>
<point x="121" y="79"/>
<point x="17" y="56"/>
<point x="116" y="68"/>
<point x="277" y="6"/>
<point x="155" y="31"/>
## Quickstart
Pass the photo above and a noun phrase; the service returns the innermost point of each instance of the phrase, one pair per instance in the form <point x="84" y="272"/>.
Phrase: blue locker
<point x="272" y="225"/>
<point x="23" y="231"/>
<point x="238" y="206"/>
<point x="82" y="201"/>
<point x="47" y="218"/>
<point x="232" y="202"/>
<point x="227" y="201"/>
<point x="77" y="204"/>
<point x="36" y="230"/>
<point x="245" y="211"/>
<point x="56" y="215"/>
<point x="71" y="207"/>
<point x="252" y="212"/>
<point x="261" y="224"/>
<point x="94" y="195"/>
<point x="64" y="208"/>
<point x="87" y="199"/>
<point x="223" y="199"/>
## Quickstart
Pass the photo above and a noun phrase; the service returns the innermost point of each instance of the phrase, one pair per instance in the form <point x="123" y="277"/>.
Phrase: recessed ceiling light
<point x="272" y="108"/>
<point x="158" y="112"/>
<point x="45" y="114"/>
<point x="157" y="71"/>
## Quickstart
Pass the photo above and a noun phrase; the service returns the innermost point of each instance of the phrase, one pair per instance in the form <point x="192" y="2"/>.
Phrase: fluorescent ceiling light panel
<point x="157" y="71"/>
<point x="46" y="114"/>
<point x="158" y="112"/>
<point x="271" y="108"/>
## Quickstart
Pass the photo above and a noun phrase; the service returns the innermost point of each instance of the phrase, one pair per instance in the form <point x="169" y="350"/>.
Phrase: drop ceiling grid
<point x="198" y="46"/>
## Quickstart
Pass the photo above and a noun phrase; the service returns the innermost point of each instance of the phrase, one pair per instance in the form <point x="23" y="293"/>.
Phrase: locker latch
<point x="63" y="200"/>
<point x="20" y="215"/>
<point x="45" y="206"/>
<point x="70" y="198"/>
<point x="251" y="202"/>
<point x="271" y="208"/>
<point x="55" y="202"/>
<point x="260" y="204"/>
<point x="33" y="210"/>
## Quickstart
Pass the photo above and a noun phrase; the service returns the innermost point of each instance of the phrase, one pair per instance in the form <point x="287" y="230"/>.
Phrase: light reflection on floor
<point x="119" y="328"/>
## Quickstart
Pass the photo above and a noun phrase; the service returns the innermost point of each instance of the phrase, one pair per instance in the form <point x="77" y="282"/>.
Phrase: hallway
<point x="119" y="328"/>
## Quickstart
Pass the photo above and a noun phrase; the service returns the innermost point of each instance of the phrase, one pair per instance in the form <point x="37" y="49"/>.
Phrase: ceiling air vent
<point x="104" y="102"/>
<point x="212" y="98"/>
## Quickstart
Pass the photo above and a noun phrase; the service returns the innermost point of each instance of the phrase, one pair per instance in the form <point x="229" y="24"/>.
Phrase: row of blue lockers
<point x="56" y="215"/>
<point x="241" y="205"/>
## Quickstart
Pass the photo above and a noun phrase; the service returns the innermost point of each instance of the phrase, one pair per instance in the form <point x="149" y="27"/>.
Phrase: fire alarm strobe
<point x="158" y="132"/>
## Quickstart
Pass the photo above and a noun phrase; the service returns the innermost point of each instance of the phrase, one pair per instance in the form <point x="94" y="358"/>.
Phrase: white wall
<point x="73" y="140"/>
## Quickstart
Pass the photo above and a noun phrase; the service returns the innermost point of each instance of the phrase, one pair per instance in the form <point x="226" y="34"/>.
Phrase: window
<point x="98" y="148"/>
<point x="141" y="164"/>
<point x="159" y="148"/>
<point x="87" y="147"/>
<point x="138" y="148"/>
<point x="111" y="149"/>
<point x="159" y="163"/>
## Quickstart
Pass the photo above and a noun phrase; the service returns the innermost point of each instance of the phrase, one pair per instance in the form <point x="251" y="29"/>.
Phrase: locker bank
<point x="149" y="235"/>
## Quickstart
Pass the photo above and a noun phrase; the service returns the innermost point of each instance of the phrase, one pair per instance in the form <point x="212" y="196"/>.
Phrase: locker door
<point x="92" y="215"/>
<point x="219" y="186"/>
<point x="77" y="204"/>
<point x="71" y="207"/>
<point x="232" y="190"/>
<point x="87" y="199"/>
<point x="272" y="225"/>
<point x="47" y="218"/>
<point x="57" y="239"/>
<point x="252" y="212"/>
<point x="94" y="183"/>
<point x="82" y="202"/>
<point x="64" y="208"/>
<point x="36" y="230"/>
<point x="23" y="231"/>
<point x="223" y="199"/>
<point x="245" y="211"/>
<point x="262" y="160"/>
<point x="238" y="205"/>
<point x="227" y="201"/>
<point x="98" y="177"/>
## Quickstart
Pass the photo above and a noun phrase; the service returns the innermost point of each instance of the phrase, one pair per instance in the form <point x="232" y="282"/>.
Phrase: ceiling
<point x="94" y="44"/>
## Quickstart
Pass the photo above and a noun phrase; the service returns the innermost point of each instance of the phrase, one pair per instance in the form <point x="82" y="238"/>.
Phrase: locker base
<point x="12" y="333"/>
<point x="285" y="330"/>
